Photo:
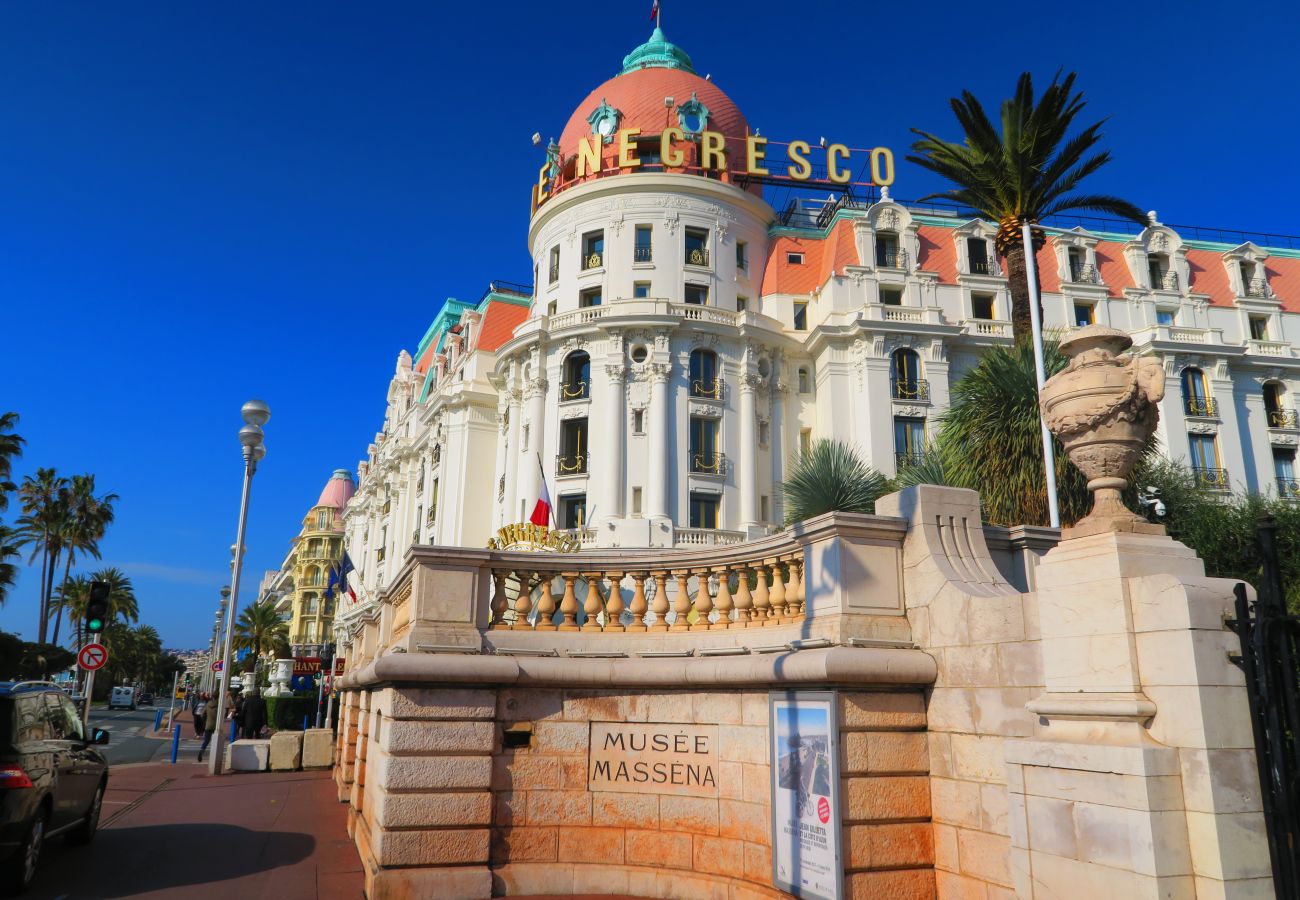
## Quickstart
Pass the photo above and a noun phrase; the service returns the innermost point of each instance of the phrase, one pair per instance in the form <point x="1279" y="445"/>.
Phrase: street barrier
<point x="157" y="720"/>
<point x="176" y="743"/>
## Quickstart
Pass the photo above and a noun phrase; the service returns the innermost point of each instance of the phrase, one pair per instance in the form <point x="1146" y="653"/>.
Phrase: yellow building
<point x="300" y="585"/>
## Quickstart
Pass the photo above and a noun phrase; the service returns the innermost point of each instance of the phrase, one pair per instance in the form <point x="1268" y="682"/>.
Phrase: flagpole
<point x="542" y="470"/>
<point x="1036" y="323"/>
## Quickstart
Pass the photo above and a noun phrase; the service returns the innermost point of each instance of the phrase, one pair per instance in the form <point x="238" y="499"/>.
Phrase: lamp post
<point x="210" y="677"/>
<point x="256" y="414"/>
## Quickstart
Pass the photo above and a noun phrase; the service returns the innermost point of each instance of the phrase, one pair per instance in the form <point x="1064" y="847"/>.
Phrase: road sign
<point x="216" y="665"/>
<point x="92" y="657"/>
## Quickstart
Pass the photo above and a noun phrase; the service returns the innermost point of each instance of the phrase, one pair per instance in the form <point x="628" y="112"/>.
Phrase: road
<point x="129" y="731"/>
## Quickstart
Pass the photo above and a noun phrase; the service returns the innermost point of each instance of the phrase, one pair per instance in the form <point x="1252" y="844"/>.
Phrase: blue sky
<point x="208" y="202"/>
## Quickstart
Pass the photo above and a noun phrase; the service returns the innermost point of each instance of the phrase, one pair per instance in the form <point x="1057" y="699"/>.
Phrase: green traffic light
<point x="95" y="624"/>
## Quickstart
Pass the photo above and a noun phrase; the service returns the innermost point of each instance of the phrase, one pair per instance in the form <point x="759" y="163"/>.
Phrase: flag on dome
<point x="654" y="10"/>
<point x="542" y="511"/>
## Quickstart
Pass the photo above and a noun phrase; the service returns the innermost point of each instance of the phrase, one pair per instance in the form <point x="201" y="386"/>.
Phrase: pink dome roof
<point x="338" y="490"/>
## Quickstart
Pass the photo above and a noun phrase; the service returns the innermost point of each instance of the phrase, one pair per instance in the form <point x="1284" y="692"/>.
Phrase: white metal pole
<point x="90" y="692"/>
<point x="1049" y="461"/>
<point x="214" y="764"/>
<point x="171" y="714"/>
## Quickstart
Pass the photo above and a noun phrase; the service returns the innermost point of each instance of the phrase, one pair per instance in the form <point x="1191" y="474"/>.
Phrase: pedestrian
<point x="254" y="715"/>
<point x="209" y="725"/>
<point x="196" y="708"/>
<point x="237" y="712"/>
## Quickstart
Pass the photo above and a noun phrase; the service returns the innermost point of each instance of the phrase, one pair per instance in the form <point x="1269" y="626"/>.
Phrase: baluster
<point x="499" y="603"/>
<point x="614" y="606"/>
<point x="762" y="605"/>
<point x="796" y="584"/>
<point x="723" y="603"/>
<point x="660" y="607"/>
<point x="682" y="602"/>
<point x="777" y="595"/>
<point x="569" y="604"/>
<point x="593" y="606"/>
<point x="546" y="603"/>
<point x="703" y="602"/>
<point x="744" y="601"/>
<point x="638" y="607"/>
<point x="523" y="603"/>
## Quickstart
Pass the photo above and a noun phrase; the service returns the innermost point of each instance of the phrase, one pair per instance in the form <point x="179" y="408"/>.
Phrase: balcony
<point x="985" y="267"/>
<point x="908" y="460"/>
<point x="1283" y="418"/>
<point x="707" y="389"/>
<point x="1268" y="348"/>
<point x="1200" y="407"/>
<point x="571" y="464"/>
<point x="1288" y="488"/>
<point x="593" y="260"/>
<point x="697" y="256"/>
<point x="892" y="259"/>
<point x="909" y="389"/>
<point x="1258" y="289"/>
<point x="1215" y="479"/>
<point x="1083" y="273"/>
<point x="575" y="390"/>
<point x="708" y="463"/>
<point x="1168" y="281"/>
<point x="643" y="255"/>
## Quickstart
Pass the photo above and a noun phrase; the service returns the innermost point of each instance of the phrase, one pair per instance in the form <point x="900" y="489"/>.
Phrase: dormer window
<point x="977" y="253"/>
<point x="1158" y="273"/>
<point x="794" y="259"/>
<point x="693" y="116"/>
<point x="887" y="254"/>
<point x="604" y="121"/>
<point x="1253" y="283"/>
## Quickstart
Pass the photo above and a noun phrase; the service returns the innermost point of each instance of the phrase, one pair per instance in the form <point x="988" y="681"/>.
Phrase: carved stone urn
<point x="1103" y="407"/>
<point x="280" y="679"/>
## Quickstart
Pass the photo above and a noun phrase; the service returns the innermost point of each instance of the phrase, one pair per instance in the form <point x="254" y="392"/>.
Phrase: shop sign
<point x="653" y="758"/>
<point x="527" y="536"/>
<point x="806" y="811"/>
<point x="306" y="665"/>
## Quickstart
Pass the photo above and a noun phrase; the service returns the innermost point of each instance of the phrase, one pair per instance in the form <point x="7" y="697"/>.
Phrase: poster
<point x="806" y="816"/>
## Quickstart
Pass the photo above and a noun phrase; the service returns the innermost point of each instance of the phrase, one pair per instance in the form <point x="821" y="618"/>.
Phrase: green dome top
<point x="657" y="53"/>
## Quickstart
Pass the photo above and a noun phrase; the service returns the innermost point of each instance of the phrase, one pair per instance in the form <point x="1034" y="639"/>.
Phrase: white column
<point x="499" y="507"/>
<point x="658" y="436"/>
<point x="776" y="447"/>
<point x="530" y="474"/>
<point x="510" y="509"/>
<point x="747" y="457"/>
<point x="615" y="427"/>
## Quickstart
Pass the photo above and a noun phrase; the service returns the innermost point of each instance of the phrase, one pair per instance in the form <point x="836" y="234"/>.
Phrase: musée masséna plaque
<point x="649" y="758"/>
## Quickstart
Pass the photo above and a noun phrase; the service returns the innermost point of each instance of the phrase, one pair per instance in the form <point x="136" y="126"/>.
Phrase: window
<point x="742" y="256"/>
<point x="762" y="508"/>
<point x="593" y="250"/>
<point x="697" y="247"/>
<point x="704" y="374"/>
<point x="577" y="377"/>
<point x="891" y="296"/>
<point x="794" y="259"/>
<point x="636" y="501"/>
<point x="704" y="453"/>
<point x="433" y="502"/>
<point x="552" y="307"/>
<point x="905" y="376"/>
<point x="805" y="383"/>
<point x="1165" y="317"/>
<point x="589" y="297"/>
<point x="704" y="510"/>
<point x="800" y="315"/>
<point x="805" y="440"/>
<point x="1196" y="398"/>
<point x="1158" y="271"/>
<point x="887" y="254"/>
<point x="33" y="723"/>
<point x="573" y="511"/>
<point x="554" y="270"/>
<point x="1252" y="283"/>
<point x="643" y="251"/>
<point x="1077" y="260"/>
<point x="638" y="421"/>
<point x="1284" y="471"/>
<point x="1084" y="314"/>
<point x="1275" y="407"/>
<point x="742" y="304"/>
<point x="573" y="448"/>
<point x="639" y="353"/>
<point x="323" y="519"/>
<point x="640" y="289"/>
<point x="649" y="154"/>
<point x="909" y="441"/>
<point x="697" y="294"/>
<point x="1259" y="328"/>
<point x="977" y="254"/>
<point x="1205" y="460"/>
<point x="981" y="306"/>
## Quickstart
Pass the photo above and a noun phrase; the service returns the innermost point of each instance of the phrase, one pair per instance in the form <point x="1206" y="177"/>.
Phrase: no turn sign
<point x="216" y="665"/>
<point x="92" y="657"/>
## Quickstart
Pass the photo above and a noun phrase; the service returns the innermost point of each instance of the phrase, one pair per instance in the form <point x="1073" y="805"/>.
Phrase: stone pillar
<point x="530" y="473"/>
<point x="777" y="450"/>
<point x="746" y="457"/>
<point x="510" y="509"/>
<point x="499" y="507"/>
<point x="656" y="501"/>
<point x="614" y="429"/>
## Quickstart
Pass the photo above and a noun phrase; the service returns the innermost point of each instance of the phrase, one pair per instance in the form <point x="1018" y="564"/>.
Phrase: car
<point x="52" y="777"/>
<point x="122" y="697"/>
<point x="146" y="698"/>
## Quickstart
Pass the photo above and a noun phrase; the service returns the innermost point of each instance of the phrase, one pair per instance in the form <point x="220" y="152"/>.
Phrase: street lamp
<point x="255" y="414"/>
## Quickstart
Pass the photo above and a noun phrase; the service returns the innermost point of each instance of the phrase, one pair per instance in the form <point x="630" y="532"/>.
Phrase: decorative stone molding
<point x="616" y="372"/>
<point x="1202" y="428"/>
<point x="660" y="372"/>
<point x="535" y="387"/>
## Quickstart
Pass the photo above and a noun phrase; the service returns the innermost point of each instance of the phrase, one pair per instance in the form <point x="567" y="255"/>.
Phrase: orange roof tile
<point x="1210" y="276"/>
<point x="500" y="320"/>
<point x="1113" y="269"/>
<point x="782" y="277"/>
<point x="938" y="252"/>
<point x="1284" y="278"/>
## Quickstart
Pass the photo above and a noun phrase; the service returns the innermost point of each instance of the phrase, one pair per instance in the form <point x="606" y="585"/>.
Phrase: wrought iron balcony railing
<point x="698" y="256"/>
<point x="1083" y="273"/>
<point x="985" y="267"/>
<point x="571" y="464"/>
<point x="909" y="389"/>
<point x="593" y="260"/>
<point x="1211" y="478"/>
<point x="710" y="389"/>
<point x="1288" y="488"/>
<point x="707" y="463"/>
<point x="1257" y="288"/>
<point x="1200" y="407"/>
<point x="1283" y="418"/>
<point x="892" y="259"/>
<point x="643" y="254"/>
<point x="906" y="460"/>
<point x="575" y="390"/>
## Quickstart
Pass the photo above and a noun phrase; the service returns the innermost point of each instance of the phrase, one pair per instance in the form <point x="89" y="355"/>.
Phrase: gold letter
<point x="541" y="183"/>
<point x="667" y="155"/>
<point x="627" y="149"/>
<point x="754" y="153"/>
<point x="799" y="156"/>
<point x="712" y="147"/>
<point x="882" y="166"/>
<point x="588" y="155"/>
<point x="833" y="171"/>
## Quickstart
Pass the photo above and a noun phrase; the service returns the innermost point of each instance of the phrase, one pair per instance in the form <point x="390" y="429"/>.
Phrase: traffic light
<point x="97" y="607"/>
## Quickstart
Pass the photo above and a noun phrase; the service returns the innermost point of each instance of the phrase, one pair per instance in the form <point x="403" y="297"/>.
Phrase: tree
<point x="21" y="659"/>
<point x="11" y="446"/>
<point x="44" y="500"/>
<point x="260" y="629"/>
<point x="9" y="549"/>
<point x="1026" y="173"/>
<point x="830" y="476"/>
<point x="82" y="527"/>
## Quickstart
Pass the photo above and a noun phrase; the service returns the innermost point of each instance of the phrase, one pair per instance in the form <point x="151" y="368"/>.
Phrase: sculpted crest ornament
<point x="1103" y="408"/>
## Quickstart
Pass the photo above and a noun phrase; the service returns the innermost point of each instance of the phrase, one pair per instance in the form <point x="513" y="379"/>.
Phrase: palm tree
<point x="44" y="500"/>
<point x="8" y="570"/>
<point x="82" y="528"/>
<point x="1024" y="174"/>
<point x="830" y="476"/>
<point x="261" y="629"/>
<point x="11" y="446"/>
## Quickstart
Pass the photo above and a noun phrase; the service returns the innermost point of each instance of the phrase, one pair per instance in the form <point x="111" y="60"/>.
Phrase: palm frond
<point x="831" y="476"/>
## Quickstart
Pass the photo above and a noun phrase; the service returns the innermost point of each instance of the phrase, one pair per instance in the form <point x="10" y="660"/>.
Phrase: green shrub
<point x="285" y="713"/>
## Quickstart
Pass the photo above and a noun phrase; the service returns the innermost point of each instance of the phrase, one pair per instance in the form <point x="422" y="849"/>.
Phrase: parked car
<point x="52" y="777"/>
<point x="146" y="699"/>
<point x="122" y="697"/>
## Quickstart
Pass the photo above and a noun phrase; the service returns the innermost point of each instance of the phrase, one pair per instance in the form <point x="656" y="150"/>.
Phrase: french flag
<point x="542" y="511"/>
<point x="654" y="11"/>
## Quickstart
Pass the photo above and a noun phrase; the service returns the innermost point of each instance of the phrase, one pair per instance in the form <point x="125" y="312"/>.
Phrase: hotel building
<point x="683" y="339"/>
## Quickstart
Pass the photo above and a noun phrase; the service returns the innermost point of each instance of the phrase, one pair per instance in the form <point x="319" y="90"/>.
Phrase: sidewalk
<point x="175" y="831"/>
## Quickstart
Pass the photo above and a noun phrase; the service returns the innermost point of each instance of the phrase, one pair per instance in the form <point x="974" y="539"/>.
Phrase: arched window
<point x="311" y="576"/>
<point x="1196" y="396"/>
<point x="805" y="380"/>
<point x="577" y="376"/>
<point x="704" y="374"/>
<point x="905" y="376"/>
